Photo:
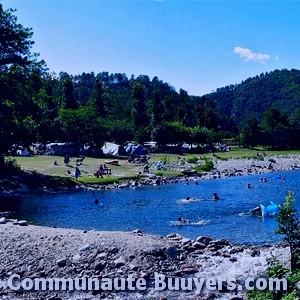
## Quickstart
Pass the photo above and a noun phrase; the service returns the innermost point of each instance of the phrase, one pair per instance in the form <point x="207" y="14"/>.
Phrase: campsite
<point x="149" y="150"/>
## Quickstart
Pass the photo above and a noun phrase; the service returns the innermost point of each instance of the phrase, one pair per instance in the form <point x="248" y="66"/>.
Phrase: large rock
<point x="114" y="250"/>
<point x="2" y="220"/>
<point x="22" y="223"/>
<point x="61" y="262"/>
<point x="188" y="269"/>
<point x="119" y="262"/>
<point x="76" y="258"/>
<point x="133" y="267"/>
<point x="236" y="250"/>
<point x="217" y="244"/>
<point x="185" y="241"/>
<point x="100" y="265"/>
<point x="172" y="252"/>
<point x="85" y="247"/>
<point x="102" y="255"/>
<point x="199" y="245"/>
<point x="203" y="239"/>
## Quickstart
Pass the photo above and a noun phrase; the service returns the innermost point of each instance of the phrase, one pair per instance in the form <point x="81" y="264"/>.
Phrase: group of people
<point x="214" y="197"/>
<point x="103" y="169"/>
<point x="263" y="180"/>
<point x="182" y="220"/>
<point x="140" y="159"/>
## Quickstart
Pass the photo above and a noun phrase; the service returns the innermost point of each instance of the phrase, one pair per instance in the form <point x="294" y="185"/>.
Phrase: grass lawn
<point x="45" y="165"/>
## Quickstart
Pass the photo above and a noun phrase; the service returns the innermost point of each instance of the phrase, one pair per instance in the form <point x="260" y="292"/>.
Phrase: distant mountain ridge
<point x="279" y="88"/>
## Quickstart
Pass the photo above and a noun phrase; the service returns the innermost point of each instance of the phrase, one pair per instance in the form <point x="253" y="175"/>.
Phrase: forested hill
<point x="280" y="88"/>
<point x="90" y="109"/>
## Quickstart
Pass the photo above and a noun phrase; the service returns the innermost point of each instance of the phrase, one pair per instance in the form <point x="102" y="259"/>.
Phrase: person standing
<point x="77" y="173"/>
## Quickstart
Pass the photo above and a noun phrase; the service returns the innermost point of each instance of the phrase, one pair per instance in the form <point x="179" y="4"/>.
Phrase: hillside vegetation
<point x="37" y="105"/>
<point x="280" y="89"/>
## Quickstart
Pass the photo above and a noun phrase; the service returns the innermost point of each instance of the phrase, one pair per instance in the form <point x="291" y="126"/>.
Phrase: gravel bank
<point x="222" y="169"/>
<point x="33" y="251"/>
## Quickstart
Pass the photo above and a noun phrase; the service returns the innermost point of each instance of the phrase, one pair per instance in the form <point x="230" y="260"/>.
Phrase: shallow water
<point x="155" y="209"/>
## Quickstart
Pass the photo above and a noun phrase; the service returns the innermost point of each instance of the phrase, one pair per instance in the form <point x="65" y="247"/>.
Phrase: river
<point x="155" y="210"/>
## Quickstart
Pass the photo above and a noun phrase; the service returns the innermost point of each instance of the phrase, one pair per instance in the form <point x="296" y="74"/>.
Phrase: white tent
<point x="111" y="149"/>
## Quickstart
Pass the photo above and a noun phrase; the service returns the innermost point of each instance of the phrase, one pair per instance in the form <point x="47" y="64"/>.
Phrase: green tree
<point x="83" y="124"/>
<point x="184" y="108"/>
<point x="119" y="131"/>
<point x="289" y="226"/>
<point x="19" y="80"/>
<point x="275" y="125"/>
<point x="250" y="133"/>
<point x="99" y="98"/>
<point x="139" y="112"/>
<point x="202" y="135"/>
<point x="157" y="103"/>
<point x="69" y="101"/>
<point x="171" y="133"/>
<point x="48" y="109"/>
<point x="15" y="41"/>
<point x="295" y="119"/>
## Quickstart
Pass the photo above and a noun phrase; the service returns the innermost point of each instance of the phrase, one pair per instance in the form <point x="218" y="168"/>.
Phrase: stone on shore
<point x="119" y="262"/>
<point x="22" y="223"/>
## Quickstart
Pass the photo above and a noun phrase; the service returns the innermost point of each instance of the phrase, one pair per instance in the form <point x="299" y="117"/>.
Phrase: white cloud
<point x="249" y="55"/>
<point x="277" y="57"/>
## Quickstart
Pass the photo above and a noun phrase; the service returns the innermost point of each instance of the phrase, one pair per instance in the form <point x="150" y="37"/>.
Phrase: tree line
<point x="37" y="105"/>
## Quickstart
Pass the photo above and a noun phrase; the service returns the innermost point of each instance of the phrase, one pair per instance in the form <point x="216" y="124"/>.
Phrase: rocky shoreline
<point x="222" y="169"/>
<point x="42" y="252"/>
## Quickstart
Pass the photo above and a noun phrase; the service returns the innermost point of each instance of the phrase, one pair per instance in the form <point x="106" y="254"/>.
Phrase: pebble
<point x="85" y="247"/>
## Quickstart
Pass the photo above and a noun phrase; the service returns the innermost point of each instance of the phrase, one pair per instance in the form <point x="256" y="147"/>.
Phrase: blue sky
<point x="198" y="46"/>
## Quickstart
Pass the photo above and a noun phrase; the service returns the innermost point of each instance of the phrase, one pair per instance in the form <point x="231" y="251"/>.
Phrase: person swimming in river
<point x="182" y="220"/>
<point x="256" y="211"/>
<point x="216" y="197"/>
<point x="249" y="186"/>
<point x="96" y="201"/>
<point x="188" y="198"/>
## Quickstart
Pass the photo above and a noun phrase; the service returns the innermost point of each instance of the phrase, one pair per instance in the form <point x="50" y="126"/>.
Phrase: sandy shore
<point x="41" y="252"/>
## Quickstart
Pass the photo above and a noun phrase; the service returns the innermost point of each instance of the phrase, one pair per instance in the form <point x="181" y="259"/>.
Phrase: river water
<point x="155" y="210"/>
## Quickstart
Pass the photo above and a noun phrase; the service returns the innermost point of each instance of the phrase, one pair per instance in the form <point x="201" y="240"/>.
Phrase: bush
<point x="192" y="160"/>
<point x="206" y="167"/>
<point x="289" y="226"/>
<point x="11" y="167"/>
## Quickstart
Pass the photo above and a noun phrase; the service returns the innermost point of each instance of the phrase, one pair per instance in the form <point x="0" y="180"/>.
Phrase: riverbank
<point x="41" y="252"/>
<point x="49" y="178"/>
